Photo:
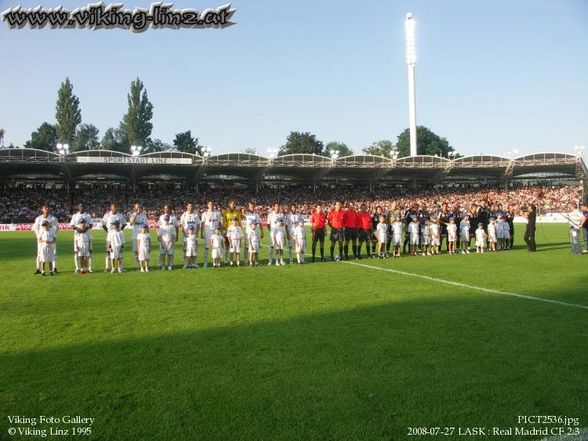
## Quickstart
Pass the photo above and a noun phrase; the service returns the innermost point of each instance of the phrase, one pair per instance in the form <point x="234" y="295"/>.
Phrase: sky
<point x="491" y="76"/>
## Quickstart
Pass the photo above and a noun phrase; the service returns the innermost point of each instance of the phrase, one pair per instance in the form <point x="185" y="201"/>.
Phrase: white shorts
<point x="207" y="235"/>
<point x="254" y="247"/>
<point x="451" y="238"/>
<point x="83" y="250"/>
<point x="143" y="254"/>
<point x="425" y="240"/>
<point x="414" y="239"/>
<point x="191" y="250"/>
<point x="464" y="237"/>
<point x="115" y="252"/>
<point x="435" y="241"/>
<point x="397" y="240"/>
<point x="216" y="253"/>
<point x="301" y="248"/>
<point x="47" y="253"/>
<point x="235" y="245"/>
<point x="481" y="244"/>
<point x="279" y="240"/>
<point x="166" y="248"/>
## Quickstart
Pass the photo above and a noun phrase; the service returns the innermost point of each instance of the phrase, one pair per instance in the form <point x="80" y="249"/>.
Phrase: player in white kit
<point x="46" y="241"/>
<point x="274" y="217"/>
<point x="167" y="240"/>
<point x="211" y="220"/>
<point x="382" y="236"/>
<point x="481" y="238"/>
<point x="451" y="235"/>
<point x="426" y="239"/>
<point x="279" y="235"/>
<point x="45" y="216"/>
<point x="107" y="225"/>
<point x="299" y="235"/>
<point x="492" y="239"/>
<point x="397" y="230"/>
<point x="464" y="234"/>
<point x="190" y="218"/>
<point x="88" y="221"/>
<point x="216" y="247"/>
<point x="143" y="247"/>
<point x="435" y="229"/>
<point x="138" y="219"/>
<point x="82" y="245"/>
<point x="502" y="233"/>
<point x="234" y="234"/>
<point x="253" y="237"/>
<point x="291" y="220"/>
<point x="116" y="243"/>
<point x="190" y="247"/>
<point x="413" y="235"/>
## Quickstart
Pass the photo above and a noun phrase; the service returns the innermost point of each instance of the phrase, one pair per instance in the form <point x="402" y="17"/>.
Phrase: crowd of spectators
<point x="20" y="204"/>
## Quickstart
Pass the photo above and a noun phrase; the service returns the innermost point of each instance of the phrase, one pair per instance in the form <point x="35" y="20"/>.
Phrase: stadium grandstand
<point x="29" y="177"/>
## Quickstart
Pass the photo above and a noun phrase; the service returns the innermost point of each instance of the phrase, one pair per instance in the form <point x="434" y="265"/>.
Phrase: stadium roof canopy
<point x="186" y="167"/>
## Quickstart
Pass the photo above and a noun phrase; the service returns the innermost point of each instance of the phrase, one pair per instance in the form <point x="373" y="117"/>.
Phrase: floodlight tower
<point x="409" y="30"/>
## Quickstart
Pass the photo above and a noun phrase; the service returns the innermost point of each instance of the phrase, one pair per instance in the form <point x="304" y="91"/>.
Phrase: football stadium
<point x="404" y="290"/>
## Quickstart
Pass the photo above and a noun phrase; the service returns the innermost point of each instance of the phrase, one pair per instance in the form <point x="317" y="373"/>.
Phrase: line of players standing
<point x="224" y="238"/>
<point x="422" y="231"/>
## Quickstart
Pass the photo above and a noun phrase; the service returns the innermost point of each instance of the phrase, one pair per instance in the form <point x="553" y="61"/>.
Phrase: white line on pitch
<point x="464" y="285"/>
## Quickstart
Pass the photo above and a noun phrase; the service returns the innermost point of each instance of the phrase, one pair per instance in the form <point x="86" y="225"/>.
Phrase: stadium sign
<point x="132" y="160"/>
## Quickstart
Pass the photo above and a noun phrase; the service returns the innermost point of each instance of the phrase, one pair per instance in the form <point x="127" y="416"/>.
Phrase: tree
<point x="68" y="113"/>
<point x="86" y="138"/>
<point x="250" y="150"/>
<point x="156" y="145"/>
<point x="115" y="140"/>
<point x="298" y="142"/>
<point x="44" y="138"/>
<point x="428" y="143"/>
<point x="185" y="143"/>
<point x="379" y="148"/>
<point x="341" y="147"/>
<point x="136" y="124"/>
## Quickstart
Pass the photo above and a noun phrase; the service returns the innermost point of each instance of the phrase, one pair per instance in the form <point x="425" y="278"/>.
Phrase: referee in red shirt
<point x="364" y="230"/>
<point x="335" y="219"/>
<point x="350" y="225"/>
<point x="318" y="220"/>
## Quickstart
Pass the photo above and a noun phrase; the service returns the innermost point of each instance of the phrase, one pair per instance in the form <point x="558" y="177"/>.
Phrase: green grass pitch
<point x="325" y="351"/>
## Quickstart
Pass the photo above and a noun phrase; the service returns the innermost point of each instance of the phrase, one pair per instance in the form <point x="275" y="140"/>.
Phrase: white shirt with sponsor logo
<point x="190" y="219"/>
<point x="109" y="219"/>
<point x="211" y="220"/>
<point x="138" y="220"/>
<point x="77" y="218"/>
<point x="53" y="224"/>
<point x="273" y="218"/>
<point x="250" y="219"/>
<point x="173" y="220"/>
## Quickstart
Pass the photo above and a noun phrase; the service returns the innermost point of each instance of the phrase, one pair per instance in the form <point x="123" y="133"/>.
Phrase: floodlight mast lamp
<point x="409" y="30"/>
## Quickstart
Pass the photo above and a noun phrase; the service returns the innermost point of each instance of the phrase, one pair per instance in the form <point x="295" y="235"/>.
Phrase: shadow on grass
<point x="364" y="374"/>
